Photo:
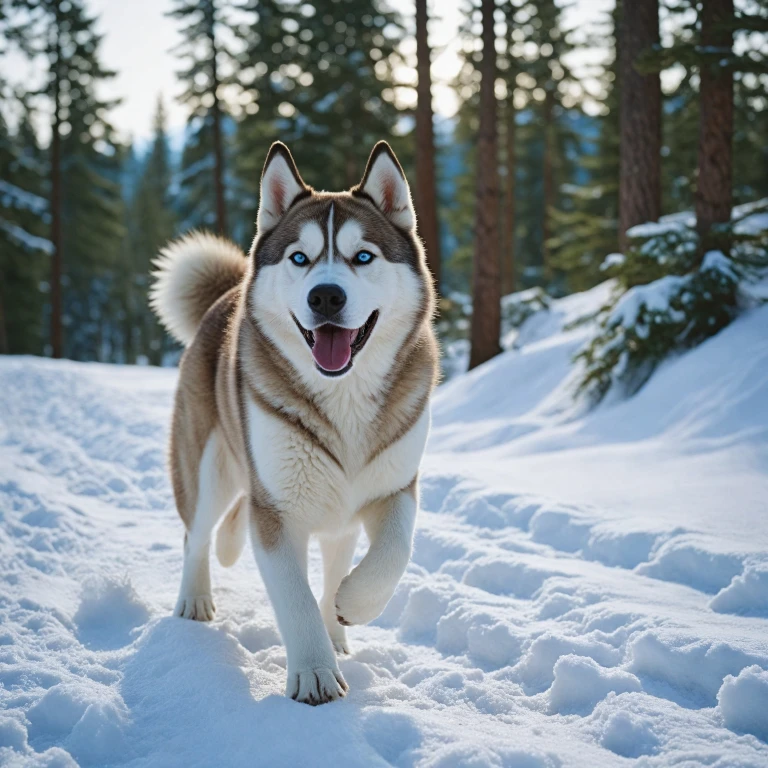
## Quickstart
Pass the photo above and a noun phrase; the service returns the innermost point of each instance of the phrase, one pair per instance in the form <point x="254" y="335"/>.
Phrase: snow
<point x="664" y="226"/>
<point x="717" y="261"/>
<point x="613" y="260"/>
<point x="748" y="219"/>
<point x="25" y="239"/>
<point x="655" y="297"/>
<point x="584" y="589"/>
<point x="12" y="196"/>
<point x="743" y="702"/>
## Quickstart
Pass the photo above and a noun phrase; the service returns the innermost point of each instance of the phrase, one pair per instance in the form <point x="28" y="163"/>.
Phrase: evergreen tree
<point x="747" y="63"/>
<point x="552" y="94"/>
<point x="486" y="288"/>
<point x="24" y="248"/>
<point x="714" y="187"/>
<point x="508" y="137"/>
<point x="587" y="225"/>
<point x="151" y="224"/>
<point x="459" y="210"/>
<point x="426" y="192"/>
<point x="202" y="178"/>
<point x="640" y="118"/>
<point x="267" y="33"/>
<point x="333" y="72"/>
<point x="84" y="167"/>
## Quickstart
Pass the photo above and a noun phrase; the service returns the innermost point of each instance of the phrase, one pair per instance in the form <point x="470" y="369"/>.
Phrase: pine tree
<point x="24" y="248"/>
<point x="336" y="82"/>
<point x="690" y="55"/>
<point x="550" y="96"/>
<point x="85" y="204"/>
<point x="152" y="223"/>
<point x="586" y="226"/>
<point x="640" y="121"/>
<point x="459" y="208"/>
<point x="546" y="129"/>
<point x="714" y="193"/>
<point x="426" y="192"/>
<point x="267" y="34"/>
<point x="202" y="177"/>
<point x="486" y="288"/>
<point x="508" y="132"/>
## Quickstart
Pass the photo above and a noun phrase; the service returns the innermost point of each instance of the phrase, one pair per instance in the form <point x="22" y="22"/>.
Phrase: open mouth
<point x="333" y="347"/>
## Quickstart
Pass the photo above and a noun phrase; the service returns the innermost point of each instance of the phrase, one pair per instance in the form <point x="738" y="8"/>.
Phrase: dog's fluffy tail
<point x="191" y="274"/>
<point x="232" y="533"/>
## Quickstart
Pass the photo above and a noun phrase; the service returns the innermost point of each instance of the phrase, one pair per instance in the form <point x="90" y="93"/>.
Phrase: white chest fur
<point x="310" y="487"/>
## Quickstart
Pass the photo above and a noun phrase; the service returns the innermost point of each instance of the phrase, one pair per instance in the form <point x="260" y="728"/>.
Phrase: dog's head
<point x="339" y="279"/>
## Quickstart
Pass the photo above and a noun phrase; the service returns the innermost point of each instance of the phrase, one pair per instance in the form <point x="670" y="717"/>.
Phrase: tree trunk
<point x="486" y="289"/>
<point x="3" y="332"/>
<point x="714" y="197"/>
<point x="640" y="119"/>
<point x="218" y="144"/>
<point x="508" y="262"/>
<point x="548" y="181"/>
<point x="426" y="193"/>
<point x="57" y="336"/>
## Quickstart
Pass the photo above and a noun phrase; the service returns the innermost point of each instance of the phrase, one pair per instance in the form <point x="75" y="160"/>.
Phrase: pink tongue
<point x="333" y="346"/>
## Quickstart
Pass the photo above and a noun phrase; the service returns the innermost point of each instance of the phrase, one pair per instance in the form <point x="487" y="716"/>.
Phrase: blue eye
<point x="299" y="259"/>
<point x="364" y="257"/>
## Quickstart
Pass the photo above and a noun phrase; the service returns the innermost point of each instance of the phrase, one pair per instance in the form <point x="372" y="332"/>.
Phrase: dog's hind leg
<point x="389" y="524"/>
<point x="215" y="494"/>
<point x="337" y="559"/>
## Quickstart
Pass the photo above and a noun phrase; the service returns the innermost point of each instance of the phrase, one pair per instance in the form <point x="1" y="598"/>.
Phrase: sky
<point x="139" y="38"/>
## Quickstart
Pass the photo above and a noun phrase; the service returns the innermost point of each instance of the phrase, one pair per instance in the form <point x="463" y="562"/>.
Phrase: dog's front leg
<point x="313" y="675"/>
<point x="389" y="524"/>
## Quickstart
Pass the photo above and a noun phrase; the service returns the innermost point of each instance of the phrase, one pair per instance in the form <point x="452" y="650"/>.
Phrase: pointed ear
<point x="384" y="182"/>
<point x="281" y="186"/>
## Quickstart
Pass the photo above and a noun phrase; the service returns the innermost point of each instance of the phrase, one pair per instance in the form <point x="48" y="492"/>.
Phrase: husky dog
<point x="303" y="402"/>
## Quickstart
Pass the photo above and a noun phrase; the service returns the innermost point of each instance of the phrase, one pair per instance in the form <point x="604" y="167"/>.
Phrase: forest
<point x="534" y="189"/>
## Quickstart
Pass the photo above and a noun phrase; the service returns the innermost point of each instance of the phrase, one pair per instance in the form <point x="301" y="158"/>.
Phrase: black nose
<point x="327" y="299"/>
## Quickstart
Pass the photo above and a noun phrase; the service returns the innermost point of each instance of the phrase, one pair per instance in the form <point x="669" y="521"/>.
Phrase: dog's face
<point x="339" y="279"/>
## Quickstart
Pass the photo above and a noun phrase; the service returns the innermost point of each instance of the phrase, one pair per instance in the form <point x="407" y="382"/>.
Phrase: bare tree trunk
<point x="714" y="196"/>
<point x="218" y="144"/>
<point x="640" y="119"/>
<point x="548" y="181"/>
<point x="57" y="335"/>
<point x="426" y="193"/>
<point x="508" y="262"/>
<point x="486" y="289"/>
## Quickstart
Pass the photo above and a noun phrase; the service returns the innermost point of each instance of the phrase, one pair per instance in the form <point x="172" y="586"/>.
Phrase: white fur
<point x="350" y="237"/>
<point x="313" y="674"/>
<point x="363" y="594"/>
<point x="230" y="538"/>
<point x="183" y="265"/>
<point x="330" y="236"/>
<point x="337" y="560"/>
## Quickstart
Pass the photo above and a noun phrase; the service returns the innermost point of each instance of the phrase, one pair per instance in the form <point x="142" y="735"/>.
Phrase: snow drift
<point x="584" y="587"/>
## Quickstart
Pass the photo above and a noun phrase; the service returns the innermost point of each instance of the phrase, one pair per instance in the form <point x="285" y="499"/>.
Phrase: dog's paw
<point x="357" y="605"/>
<point x="316" y="686"/>
<point x="195" y="607"/>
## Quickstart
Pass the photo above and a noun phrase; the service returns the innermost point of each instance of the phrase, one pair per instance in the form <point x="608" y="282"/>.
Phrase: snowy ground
<point x="584" y="590"/>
